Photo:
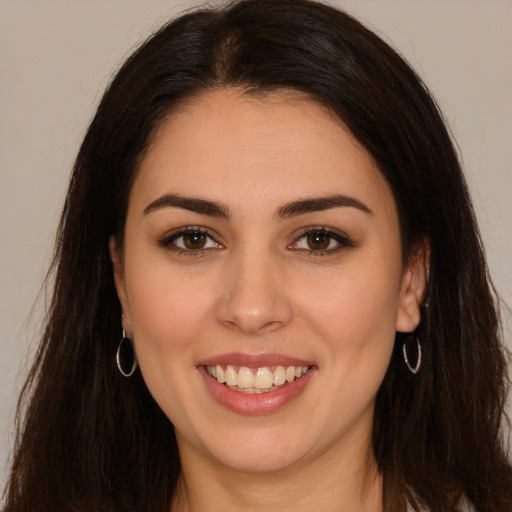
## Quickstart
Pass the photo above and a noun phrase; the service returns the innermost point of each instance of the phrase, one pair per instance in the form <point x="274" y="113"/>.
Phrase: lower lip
<point x="256" y="403"/>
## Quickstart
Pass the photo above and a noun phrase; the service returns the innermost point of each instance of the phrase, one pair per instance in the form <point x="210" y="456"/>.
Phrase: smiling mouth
<point x="255" y="380"/>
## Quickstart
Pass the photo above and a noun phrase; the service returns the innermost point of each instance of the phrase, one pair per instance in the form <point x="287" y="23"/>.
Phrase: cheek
<point x="167" y="310"/>
<point x="355" y="312"/>
<point x="360" y="299"/>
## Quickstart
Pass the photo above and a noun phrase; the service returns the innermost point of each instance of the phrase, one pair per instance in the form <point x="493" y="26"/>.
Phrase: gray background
<point x="57" y="56"/>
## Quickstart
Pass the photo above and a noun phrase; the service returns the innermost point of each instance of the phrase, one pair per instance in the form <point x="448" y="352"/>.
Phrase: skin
<point x="258" y="288"/>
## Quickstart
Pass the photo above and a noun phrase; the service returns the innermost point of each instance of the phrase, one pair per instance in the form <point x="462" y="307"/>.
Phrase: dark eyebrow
<point x="202" y="206"/>
<point x="316" y="204"/>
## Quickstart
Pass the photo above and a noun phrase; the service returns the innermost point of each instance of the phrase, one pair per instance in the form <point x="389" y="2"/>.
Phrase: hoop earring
<point x="413" y="370"/>
<point x="125" y="357"/>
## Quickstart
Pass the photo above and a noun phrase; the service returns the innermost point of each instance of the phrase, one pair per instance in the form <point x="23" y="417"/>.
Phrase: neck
<point x="351" y="483"/>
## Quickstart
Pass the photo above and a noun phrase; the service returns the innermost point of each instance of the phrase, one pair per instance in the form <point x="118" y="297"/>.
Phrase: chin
<point x="254" y="449"/>
<point x="259" y="456"/>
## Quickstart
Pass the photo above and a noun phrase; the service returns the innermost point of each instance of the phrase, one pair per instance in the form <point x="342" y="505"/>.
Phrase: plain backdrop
<point x="58" y="55"/>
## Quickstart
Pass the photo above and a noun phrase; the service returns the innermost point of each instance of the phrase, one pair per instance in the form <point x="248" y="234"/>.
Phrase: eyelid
<point x="167" y="241"/>
<point x="339" y="236"/>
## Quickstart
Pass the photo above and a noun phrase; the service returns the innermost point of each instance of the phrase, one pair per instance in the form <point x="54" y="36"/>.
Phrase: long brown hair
<point x="89" y="439"/>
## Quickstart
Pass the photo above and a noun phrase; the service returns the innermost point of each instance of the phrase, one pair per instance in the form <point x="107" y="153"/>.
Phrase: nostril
<point x="252" y="326"/>
<point x="271" y="326"/>
<point x="254" y="320"/>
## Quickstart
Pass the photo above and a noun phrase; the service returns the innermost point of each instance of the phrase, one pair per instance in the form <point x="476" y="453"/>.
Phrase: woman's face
<point x="263" y="245"/>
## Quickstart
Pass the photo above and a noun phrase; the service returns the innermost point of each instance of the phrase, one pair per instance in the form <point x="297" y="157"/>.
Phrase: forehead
<point x="277" y="147"/>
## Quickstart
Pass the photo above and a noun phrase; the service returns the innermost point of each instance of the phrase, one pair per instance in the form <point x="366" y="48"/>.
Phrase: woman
<point x="269" y="287"/>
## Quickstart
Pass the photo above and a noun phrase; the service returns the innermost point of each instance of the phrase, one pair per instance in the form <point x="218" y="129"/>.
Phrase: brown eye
<point x="195" y="241"/>
<point x="318" y="241"/>
<point x="190" y="240"/>
<point x="321" y="242"/>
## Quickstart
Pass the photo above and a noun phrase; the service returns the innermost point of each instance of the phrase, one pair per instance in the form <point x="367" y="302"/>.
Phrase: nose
<point x="254" y="299"/>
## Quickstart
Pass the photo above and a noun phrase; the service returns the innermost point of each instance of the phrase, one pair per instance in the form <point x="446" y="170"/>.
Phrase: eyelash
<point x="169" y="241"/>
<point x="343" y="241"/>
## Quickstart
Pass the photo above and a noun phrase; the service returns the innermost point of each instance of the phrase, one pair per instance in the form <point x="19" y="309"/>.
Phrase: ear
<point x="414" y="283"/>
<point x="119" y="282"/>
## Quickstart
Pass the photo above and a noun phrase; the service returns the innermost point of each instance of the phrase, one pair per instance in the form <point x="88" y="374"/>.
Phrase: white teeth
<point x="231" y="376"/>
<point x="258" y="380"/>
<point x="263" y="378"/>
<point x="220" y="374"/>
<point x="245" y="378"/>
<point x="279" y="376"/>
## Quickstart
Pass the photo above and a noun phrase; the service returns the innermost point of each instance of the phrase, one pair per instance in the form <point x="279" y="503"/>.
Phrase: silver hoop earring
<point x="414" y="369"/>
<point x="125" y="357"/>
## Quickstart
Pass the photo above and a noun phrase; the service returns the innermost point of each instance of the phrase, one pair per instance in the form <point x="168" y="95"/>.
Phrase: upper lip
<point x="254" y="360"/>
